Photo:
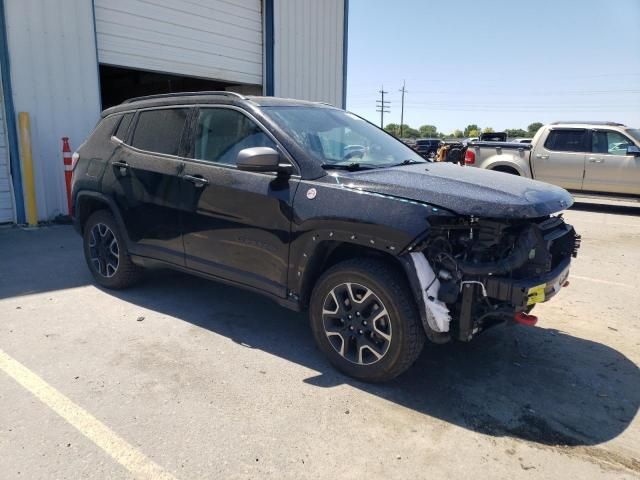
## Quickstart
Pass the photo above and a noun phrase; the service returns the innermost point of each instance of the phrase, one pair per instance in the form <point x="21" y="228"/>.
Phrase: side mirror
<point x="633" y="150"/>
<point x="260" y="159"/>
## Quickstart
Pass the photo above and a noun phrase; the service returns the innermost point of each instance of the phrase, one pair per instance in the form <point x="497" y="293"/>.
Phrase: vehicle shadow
<point x="531" y="383"/>
<point x="40" y="260"/>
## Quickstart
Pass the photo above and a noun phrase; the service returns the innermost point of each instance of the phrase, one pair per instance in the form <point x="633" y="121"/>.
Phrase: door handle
<point x="197" y="180"/>
<point x="543" y="157"/>
<point x="596" y="160"/>
<point x="122" y="167"/>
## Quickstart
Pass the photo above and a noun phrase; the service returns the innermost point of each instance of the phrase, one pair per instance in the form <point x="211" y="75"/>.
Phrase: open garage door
<point x="118" y="84"/>
<point x="209" y="39"/>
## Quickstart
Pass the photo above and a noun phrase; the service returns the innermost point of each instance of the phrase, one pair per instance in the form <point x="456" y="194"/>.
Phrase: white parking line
<point x="120" y="450"/>
<point x="597" y="280"/>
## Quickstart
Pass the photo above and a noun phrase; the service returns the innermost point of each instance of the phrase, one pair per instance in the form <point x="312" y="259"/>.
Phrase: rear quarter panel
<point x="94" y="156"/>
<point x="490" y="158"/>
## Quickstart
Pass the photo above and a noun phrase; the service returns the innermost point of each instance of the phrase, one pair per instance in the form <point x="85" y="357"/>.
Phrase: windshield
<point x="635" y="133"/>
<point x="337" y="138"/>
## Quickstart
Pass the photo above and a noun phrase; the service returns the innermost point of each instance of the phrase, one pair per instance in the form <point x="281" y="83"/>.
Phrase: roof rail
<point x="186" y="94"/>
<point x="596" y="122"/>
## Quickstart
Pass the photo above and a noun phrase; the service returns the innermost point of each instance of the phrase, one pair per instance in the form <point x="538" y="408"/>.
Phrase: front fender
<point x="334" y="214"/>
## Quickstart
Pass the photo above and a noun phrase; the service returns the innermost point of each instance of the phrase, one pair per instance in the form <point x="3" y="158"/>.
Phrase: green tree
<point x="428" y="131"/>
<point x="469" y="128"/>
<point x="457" y="133"/>
<point x="393" y="129"/>
<point x="516" y="132"/>
<point x="472" y="133"/>
<point x="488" y="130"/>
<point x="408" y="132"/>
<point x="534" y="127"/>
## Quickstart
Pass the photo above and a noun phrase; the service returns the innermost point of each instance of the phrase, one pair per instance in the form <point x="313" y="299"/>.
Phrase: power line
<point x="403" y="90"/>
<point x="383" y="106"/>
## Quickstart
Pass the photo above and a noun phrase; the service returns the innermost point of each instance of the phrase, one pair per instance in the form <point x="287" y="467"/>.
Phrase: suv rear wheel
<point x="364" y="319"/>
<point x="106" y="253"/>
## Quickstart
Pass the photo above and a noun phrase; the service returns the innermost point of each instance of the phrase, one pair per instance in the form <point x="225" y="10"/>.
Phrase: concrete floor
<point x="199" y="380"/>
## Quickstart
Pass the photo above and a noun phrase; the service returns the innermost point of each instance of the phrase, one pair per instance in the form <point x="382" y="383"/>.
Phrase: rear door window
<point x="160" y="130"/>
<point x="572" y="140"/>
<point x="222" y="132"/>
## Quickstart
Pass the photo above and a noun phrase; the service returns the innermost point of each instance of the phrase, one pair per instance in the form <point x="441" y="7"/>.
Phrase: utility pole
<point x="383" y="106"/>
<point x="403" y="90"/>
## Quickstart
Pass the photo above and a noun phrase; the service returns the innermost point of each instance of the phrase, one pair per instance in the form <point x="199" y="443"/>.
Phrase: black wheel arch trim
<point x="111" y="206"/>
<point x="309" y="256"/>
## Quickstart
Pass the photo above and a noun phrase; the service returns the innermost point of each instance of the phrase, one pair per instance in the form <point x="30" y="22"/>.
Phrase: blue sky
<point x="496" y="63"/>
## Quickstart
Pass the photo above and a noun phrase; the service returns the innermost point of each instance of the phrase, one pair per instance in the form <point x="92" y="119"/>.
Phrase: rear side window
<point x="221" y="133"/>
<point x="104" y="129"/>
<point x="160" y="130"/>
<point x="566" y="140"/>
<point x="123" y="127"/>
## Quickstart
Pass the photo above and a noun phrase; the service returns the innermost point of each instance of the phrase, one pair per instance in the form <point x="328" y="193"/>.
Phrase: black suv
<point x="320" y="210"/>
<point x="427" y="147"/>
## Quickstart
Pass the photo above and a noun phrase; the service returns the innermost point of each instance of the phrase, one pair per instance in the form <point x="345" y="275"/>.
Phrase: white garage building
<point x="63" y="61"/>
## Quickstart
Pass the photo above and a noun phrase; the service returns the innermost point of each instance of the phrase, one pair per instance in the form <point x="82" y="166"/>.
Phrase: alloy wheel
<point x="104" y="250"/>
<point x="357" y="323"/>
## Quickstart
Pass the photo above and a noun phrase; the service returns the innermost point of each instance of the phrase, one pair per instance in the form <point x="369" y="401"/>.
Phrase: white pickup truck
<point x="589" y="157"/>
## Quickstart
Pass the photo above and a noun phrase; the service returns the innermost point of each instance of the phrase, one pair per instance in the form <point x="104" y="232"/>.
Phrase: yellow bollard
<point x="26" y="158"/>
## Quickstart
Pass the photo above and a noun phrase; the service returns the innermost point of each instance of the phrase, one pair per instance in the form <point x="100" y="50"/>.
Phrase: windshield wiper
<point x="408" y="161"/>
<point x="351" y="167"/>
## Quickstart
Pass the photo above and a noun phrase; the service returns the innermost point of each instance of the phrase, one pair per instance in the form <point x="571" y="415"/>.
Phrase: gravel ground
<point x="202" y="380"/>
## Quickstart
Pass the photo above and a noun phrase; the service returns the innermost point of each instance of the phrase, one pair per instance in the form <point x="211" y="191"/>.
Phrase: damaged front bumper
<point x="524" y="293"/>
<point x="478" y="295"/>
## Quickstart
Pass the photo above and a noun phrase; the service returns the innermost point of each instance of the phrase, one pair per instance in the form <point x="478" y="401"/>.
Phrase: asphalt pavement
<point x="185" y="378"/>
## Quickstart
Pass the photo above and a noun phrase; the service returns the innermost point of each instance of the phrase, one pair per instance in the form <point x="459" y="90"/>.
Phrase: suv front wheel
<point x="364" y="319"/>
<point x="106" y="253"/>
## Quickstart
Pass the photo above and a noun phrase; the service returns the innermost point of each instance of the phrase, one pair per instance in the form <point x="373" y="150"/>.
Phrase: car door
<point x="560" y="158"/>
<point x="236" y="224"/>
<point x="143" y="178"/>
<point x="608" y="168"/>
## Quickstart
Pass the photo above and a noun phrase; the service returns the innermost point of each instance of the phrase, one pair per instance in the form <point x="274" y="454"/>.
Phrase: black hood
<point x="463" y="190"/>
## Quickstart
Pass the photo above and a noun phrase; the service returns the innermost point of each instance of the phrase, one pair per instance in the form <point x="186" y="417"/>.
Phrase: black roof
<point x="222" y="97"/>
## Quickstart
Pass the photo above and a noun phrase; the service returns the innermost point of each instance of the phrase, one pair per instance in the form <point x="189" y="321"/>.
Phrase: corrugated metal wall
<point x="219" y="39"/>
<point x="308" y="49"/>
<point x="54" y="77"/>
<point x="6" y="192"/>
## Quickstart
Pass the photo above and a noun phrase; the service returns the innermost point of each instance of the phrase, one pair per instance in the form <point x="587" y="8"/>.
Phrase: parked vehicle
<point x="354" y="151"/>
<point x="427" y="147"/>
<point x="493" y="137"/>
<point x="519" y="140"/>
<point x="384" y="251"/>
<point x="451" y="151"/>
<point x="592" y="157"/>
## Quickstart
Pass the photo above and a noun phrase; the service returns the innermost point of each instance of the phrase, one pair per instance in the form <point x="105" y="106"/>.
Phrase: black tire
<point x="126" y="273"/>
<point x="402" y="323"/>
